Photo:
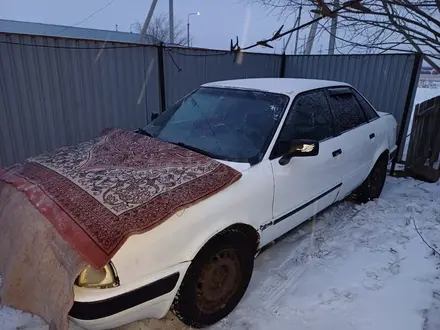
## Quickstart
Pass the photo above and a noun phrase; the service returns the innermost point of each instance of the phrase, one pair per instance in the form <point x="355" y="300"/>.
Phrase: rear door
<point x="356" y="137"/>
<point x="376" y="130"/>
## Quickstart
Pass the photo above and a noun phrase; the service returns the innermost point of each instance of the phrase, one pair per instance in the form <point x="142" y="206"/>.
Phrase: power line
<point x="90" y="16"/>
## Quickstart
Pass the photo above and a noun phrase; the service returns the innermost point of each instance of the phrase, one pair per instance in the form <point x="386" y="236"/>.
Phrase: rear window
<point x="368" y="109"/>
<point x="346" y="111"/>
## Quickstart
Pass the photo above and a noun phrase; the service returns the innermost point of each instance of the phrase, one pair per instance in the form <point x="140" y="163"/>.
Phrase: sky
<point x="219" y="20"/>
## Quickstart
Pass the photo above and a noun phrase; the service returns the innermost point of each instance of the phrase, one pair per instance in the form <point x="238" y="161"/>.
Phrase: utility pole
<point x="187" y="26"/>
<point x="171" y="20"/>
<point x="298" y="23"/>
<point x="148" y="19"/>
<point x="187" y="32"/>
<point x="285" y="44"/>
<point x="312" y="34"/>
<point x="333" y="30"/>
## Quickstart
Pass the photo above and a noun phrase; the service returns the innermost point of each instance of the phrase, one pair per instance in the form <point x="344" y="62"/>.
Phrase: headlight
<point x="103" y="278"/>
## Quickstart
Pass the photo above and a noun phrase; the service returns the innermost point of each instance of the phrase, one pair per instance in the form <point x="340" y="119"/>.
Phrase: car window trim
<point x="339" y="90"/>
<point x="334" y="131"/>
<point x="371" y="106"/>
<point x="344" y="90"/>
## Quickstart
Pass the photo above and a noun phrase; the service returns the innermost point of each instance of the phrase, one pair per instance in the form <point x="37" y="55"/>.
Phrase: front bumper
<point x="151" y="299"/>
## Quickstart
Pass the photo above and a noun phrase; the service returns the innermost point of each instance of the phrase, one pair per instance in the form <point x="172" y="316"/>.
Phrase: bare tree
<point x="159" y="28"/>
<point x="377" y="26"/>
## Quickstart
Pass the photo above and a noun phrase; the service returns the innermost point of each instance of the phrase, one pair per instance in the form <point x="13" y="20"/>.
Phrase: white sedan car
<point x="301" y="145"/>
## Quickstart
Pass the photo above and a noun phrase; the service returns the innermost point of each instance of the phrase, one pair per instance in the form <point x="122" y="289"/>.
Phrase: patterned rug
<point x="119" y="184"/>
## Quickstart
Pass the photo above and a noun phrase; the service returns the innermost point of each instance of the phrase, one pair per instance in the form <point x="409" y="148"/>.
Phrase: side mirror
<point x="300" y="148"/>
<point x="154" y="115"/>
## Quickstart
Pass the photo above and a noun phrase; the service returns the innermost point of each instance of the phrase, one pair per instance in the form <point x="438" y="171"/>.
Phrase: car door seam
<point x="273" y="188"/>
<point x="296" y="210"/>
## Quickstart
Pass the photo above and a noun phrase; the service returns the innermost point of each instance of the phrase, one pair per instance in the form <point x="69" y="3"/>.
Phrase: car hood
<point x="240" y="167"/>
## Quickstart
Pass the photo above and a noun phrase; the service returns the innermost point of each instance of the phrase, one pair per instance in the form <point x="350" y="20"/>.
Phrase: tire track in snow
<point x="308" y="251"/>
<point x="304" y="255"/>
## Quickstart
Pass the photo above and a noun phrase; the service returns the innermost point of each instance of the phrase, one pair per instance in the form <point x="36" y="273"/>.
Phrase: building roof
<point x="63" y="31"/>
<point x="288" y="86"/>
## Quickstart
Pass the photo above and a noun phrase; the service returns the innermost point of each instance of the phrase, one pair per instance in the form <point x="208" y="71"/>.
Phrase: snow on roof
<point x="289" y="86"/>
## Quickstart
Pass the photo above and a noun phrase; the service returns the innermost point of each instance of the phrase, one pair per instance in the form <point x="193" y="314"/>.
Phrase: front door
<point x="305" y="185"/>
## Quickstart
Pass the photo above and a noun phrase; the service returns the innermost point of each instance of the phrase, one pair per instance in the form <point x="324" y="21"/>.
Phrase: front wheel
<point x="372" y="187"/>
<point x="216" y="280"/>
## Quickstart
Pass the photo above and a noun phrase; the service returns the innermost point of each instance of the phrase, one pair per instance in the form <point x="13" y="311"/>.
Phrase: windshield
<point x="229" y="124"/>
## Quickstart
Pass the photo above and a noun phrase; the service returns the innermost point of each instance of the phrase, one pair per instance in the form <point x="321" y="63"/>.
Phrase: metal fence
<point x="60" y="91"/>
<point x="383" y="79"/>
<point x="186" y="69"/>
<point x="56" y="92"/>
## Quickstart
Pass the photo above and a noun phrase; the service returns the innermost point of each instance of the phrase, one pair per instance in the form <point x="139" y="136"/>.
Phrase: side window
<point x="346" y="110"/>
<point x="369" y="111"/>
<point x="309" y="118"/>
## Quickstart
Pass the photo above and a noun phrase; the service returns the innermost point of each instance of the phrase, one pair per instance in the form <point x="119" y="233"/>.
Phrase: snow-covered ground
<point x="352" y="267"/>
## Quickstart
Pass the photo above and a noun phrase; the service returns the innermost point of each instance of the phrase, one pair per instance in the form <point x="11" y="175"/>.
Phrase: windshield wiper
<point x="143" y="132"/>
<point x="195" y="149"/>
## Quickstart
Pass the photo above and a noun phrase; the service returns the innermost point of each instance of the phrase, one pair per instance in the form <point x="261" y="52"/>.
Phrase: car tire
<point x="372" y="187"/>
<point x="216" y="280"/>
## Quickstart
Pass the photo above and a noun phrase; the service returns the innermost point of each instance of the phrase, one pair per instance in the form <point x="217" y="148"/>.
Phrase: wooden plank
<point x="424" y="142"/>
<point x="426" y="111"/>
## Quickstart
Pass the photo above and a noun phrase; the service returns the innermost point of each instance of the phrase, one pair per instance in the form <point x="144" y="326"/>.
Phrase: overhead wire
<point x="90" y="16"/>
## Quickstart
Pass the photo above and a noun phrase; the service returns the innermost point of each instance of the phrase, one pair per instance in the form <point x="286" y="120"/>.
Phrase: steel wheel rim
<point x="219" y="281"/>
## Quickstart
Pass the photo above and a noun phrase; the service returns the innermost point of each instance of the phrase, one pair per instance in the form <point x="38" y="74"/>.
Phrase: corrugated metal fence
<point x="56" y="91"/>
<point x="65" y="91"/>
<point x="383" y="79"/>
<point x="186" y="69"/>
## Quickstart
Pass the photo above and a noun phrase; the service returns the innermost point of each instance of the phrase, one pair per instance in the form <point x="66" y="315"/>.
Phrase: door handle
<point x="372" y="135"/>
<point x="337" y="152"/>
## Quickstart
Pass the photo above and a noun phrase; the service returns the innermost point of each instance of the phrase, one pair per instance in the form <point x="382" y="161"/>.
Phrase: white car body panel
<point x="327" y="176"/>
<point x="156" y="308"/>
<point x="357" y="157"/>
<point x="266" y="193"/>
<point x="168" y="245"/>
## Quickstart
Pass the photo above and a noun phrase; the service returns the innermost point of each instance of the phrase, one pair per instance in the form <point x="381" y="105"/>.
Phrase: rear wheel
<point x="216" y="280"/>
<point x="372" y="187"/>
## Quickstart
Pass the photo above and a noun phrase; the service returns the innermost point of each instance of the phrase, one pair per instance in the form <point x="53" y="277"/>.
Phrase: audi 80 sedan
<point x="300" y="146"/>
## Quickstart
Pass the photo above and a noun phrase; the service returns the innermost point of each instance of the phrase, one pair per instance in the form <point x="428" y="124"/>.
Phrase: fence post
<point x="161" y="70"/>
<point x="407" y="112"/>
<point x="283" y="65"/>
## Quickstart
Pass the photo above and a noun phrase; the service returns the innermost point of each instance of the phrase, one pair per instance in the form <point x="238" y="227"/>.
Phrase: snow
<point x="352" y="267"/>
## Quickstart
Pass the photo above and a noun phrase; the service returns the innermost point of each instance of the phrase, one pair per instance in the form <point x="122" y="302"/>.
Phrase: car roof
<point x="288" y="86"/>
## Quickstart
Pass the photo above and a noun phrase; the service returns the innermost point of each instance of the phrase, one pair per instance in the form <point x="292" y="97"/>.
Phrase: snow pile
<point x="353" y="267"/>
